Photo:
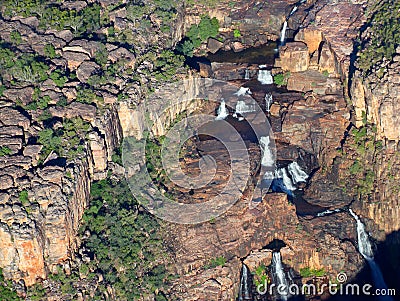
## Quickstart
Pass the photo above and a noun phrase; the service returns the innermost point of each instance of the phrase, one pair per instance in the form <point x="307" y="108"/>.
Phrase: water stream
<point x="279" y="276"/>
<point x="366" y="250"/>
<point x="245" y="285"/>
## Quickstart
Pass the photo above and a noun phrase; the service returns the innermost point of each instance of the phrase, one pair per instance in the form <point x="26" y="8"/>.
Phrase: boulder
<point x="85" y="70"/>
<point x="213" y="45"/>
<point x="311" y="37"/>
<point x="293" y="57"/>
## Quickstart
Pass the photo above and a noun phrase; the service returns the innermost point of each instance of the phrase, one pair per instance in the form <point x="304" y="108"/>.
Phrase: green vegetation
<point x="4" y="151"/>
<point x="116" y="157"/>
<point x="6" y="291"/>
<point x="50" y="51"/>
<point x="236" y="33"/>
<point x="281" y="78"/>
<point x="384" y="35"/>
<point x="15" y="37"/>
<point x="167" y="65"/>
<point x="24" y="198"/>
<point x="207" y="28"/>
<point x="67" y="141"/>
<point x="59" y="78"/>
<point x="261" y="276"/>
<point x="23" y="67"/>
<point x="126" y="241"/>
<point x="54" y="15"/>
<point x="309" y="272"/>
<point x="215" y="262"/>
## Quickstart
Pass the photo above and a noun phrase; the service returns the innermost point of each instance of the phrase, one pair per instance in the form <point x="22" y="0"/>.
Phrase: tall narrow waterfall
<point x="245" y="285"/>
<point x="283" y="33"/>
<point x="365" y="249"/>
<point x="246" y="74"/>
<point x="222" y="111"/>
<point x="268" y="101"/>
<point x="265" y="77"/>
<point x="267" y="155"/>
<point x="279" y="276"/>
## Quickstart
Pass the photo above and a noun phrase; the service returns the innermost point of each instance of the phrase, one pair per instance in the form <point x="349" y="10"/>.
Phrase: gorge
<point x="316" y="120"/>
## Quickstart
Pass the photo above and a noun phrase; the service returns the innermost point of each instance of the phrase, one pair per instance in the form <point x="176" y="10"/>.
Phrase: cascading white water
<point x="279" y="275"/>
<point x="298" y="175"/>
<point x="283" y="33"/>
<point x="246" y="74"/>
<point x="281" y="173"/>
<point x="222" y="111"/>
<point x="243" y="91"/>
<point x="268" y="101"/>
<point x="265" y="77"/>
<point x="365" y="249"/>
<point x="328" y="211"/>
<point x="294" y="9"/>
<point x="242" y="107"/>
<point x="267" y="155"/>
<point x="245" y="288"/>
<point x="364" y="244"/>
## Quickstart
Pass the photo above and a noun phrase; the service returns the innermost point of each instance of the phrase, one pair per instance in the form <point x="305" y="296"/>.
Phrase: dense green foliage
<point x="281" y="78"/>
<point x="52" y="14"/>
<point x="67" y="141"/>
<point x="27" y="68"/>
<point x="383" y="35"/>
<point x="6" y="291"/>
<point x="125" y="241"/>
<point x="215" y="262"/>
<point x="4" y="151"/>
<point x="199" y="33"/>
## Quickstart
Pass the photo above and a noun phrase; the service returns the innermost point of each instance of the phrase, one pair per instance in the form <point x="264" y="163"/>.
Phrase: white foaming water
<point x="222" y="111"/>
<point x="246" y="74"/>
<point x="364" y="245"/>
<point x="245" y="289"/>
<point x="365" y="249"/>
<point x="283" y="33"/>
<point x="268" y="101"/>
<point x="328" y="211"/>
<point x="294" y="9"/>
<point x="298" y="175"/>
<point x="242" y="107"/>
<point x="281" y="173"/>
<point x="267" y="155"/>
<point x="243" y="91"/>
<point x="265" y="77"/>
<point x="279" y="273"/>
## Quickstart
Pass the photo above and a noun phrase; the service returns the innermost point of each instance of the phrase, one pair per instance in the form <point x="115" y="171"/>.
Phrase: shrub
<point x="50" y="51"/>
<point x="281" y="78"/>
<point x="15" y="37"/>
<point x="308" y="272"/>
<point x="5" y="150"/>
<point x="24" y="198"/>
<point x="219" y="261"/>
<point x="236" y="33"/>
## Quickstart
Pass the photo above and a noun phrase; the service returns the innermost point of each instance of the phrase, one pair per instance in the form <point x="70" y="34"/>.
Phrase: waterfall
<point x="364" y="244"/>
<point x="283" y="33"/>
<point x="294" y="9"/>
<point x="279" y="275"/>
<point x="222" y="111"/>
<point x="246" y="74"/>
<point x="243" y="91"/>
<point x="281" y="173"/>
<point x="365" y="249"/>
<point x="245" y="286"/>
<point x="327" y="212"/>
<point x="265" y="77"/>
<point x="267" y="155"/>
<point x="242" y="107"/>
<point x="268" y="101"/>
<point x="298" y="175"/>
